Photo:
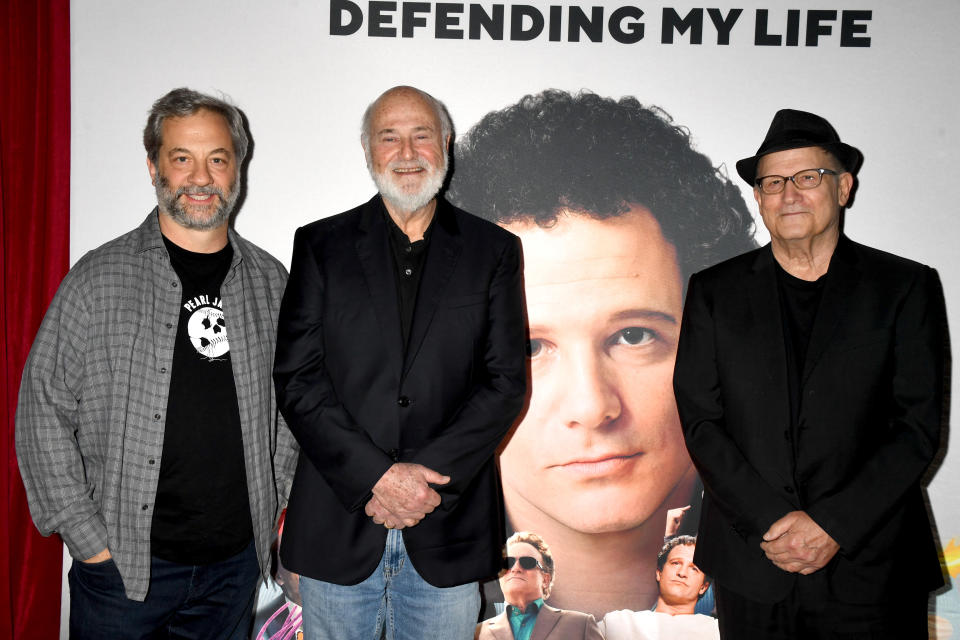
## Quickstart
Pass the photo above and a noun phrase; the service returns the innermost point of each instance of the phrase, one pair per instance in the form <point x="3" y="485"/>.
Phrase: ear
<point x="704" y="587"/>
<point x="153" y="172"/>
<point x="844" y="187"/>
<point x="756" y="194"/>
<point x="658" y="575"/>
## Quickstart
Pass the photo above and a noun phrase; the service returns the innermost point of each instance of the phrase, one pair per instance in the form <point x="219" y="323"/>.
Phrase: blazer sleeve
<point x="732" y="483"/>
<point x="911" y="437"/>
<point x="470" y="439"/>
<point x="338" y="448"/>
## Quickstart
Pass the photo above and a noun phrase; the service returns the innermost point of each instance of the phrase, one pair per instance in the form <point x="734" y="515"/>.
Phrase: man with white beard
<point x="400" y="366"/>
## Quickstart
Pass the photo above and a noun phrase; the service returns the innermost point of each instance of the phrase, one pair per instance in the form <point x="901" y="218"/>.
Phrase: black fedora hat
<point x="792" y="129"/>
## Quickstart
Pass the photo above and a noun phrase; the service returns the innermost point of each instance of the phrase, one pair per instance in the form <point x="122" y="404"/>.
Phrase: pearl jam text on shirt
<point x="626" y="24"/>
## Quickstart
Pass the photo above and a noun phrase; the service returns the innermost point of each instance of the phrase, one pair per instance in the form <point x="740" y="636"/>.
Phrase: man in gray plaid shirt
<point x="147" y="431"/>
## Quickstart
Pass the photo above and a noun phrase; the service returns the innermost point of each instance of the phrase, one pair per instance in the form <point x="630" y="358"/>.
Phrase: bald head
<point x="404" y="93"/>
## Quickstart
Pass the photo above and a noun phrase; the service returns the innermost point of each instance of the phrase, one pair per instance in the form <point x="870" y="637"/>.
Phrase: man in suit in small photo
<point x="528" y="575"/>
<point x="809" y="379"/>
<point x="400" y="367"/>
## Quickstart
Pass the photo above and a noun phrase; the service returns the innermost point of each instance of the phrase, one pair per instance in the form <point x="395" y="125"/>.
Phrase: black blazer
<point x="869" y="420"/>
<point x="356" y="403"/>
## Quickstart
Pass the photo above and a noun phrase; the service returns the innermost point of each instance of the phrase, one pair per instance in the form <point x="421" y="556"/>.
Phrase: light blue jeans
<point x="395" y="597"/>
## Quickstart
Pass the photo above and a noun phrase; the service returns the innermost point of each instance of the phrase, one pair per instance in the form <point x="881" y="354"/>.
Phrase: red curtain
<point x="34" y="256"/>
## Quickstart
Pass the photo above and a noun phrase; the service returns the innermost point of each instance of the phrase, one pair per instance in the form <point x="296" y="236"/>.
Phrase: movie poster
<point x="604" y="135"/>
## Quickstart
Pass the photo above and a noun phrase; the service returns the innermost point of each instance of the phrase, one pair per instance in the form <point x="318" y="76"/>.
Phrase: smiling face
<point x="681" y="581"/>
<point x="522" y="586"/>
<point x="600" y="447"/>
<point x="406" y="150"/>
<point x="195" y="175"/>
<point x="802" y="215"/>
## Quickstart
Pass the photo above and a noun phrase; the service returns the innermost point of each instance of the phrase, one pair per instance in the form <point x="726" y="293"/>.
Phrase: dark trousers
<point x="199" y="602"/>
<point x="810" y="613"/>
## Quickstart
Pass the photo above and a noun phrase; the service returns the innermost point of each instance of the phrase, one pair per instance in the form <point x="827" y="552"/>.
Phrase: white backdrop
<point x="304" y="90"/>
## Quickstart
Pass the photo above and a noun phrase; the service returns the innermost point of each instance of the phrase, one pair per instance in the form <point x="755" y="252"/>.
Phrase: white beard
<point x="403" y="199"/>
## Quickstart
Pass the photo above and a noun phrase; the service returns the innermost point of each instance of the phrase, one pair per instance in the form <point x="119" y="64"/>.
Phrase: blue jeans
<point x="184" y="601"/>
<point x="394" y="597"/>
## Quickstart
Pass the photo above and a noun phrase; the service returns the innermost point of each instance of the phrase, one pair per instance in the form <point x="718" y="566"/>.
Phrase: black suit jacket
<point x="357" y="403"/>
<point x="869" y="420"/>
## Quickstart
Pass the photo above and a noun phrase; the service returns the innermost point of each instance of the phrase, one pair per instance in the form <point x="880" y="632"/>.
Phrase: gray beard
<point x="403" y="200"/>
<point x="169" y="203"/>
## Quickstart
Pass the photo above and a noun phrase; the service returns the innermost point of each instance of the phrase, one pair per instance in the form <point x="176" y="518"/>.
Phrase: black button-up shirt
<point x="409" y="258"/>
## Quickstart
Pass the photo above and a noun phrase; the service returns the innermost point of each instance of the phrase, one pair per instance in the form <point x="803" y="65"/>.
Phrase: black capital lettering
<point x="761" y="37"/>
<point x="693" y="23"/>
<point x="446" y="21"/>
<point x="517" y="14"/>
<point x="849" y="28"/>
<point x="556" y="21"/>
<point x="815" y="29"/>
<point x="633" y="32"/>
<point x="592" y="27"/>
<point x="376" y="24"/>
<point x="724" y="25"/>
<point x="337" y="26"/>
<point x="410" y="19"/>
<point x="492" y="24"/>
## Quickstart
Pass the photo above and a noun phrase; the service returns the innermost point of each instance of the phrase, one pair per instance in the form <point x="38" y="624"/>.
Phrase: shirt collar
<point x="532" y="609"/>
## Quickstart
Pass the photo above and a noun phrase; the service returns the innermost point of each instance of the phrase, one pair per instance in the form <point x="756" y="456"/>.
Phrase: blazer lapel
<point x="446" y="244"/>
<point x="841" y="281"/>
<point x="499" y="627"/>
<point x="766" y="320"/>
<point x="373" y="250"/>
<point x="767" y="325"/>
<point x="547" y="619"/>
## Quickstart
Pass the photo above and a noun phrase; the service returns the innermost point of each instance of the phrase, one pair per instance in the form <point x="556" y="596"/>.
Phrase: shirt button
<point x="403" y="401"/>
<point x="408" y="271"/>
<point x="408" y="249"/>
<point x="169" y="325"/>
<point x="151" y="461"/>
<point x="144" y="508"/>
<point x="163" y="369"/>
<point x="788" y="489"/>
<point x="156" y="416"/>
<point x="173" y="283"/>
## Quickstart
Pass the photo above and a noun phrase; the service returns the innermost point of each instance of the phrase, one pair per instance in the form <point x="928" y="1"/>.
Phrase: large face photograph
<point x="614" y="209"/>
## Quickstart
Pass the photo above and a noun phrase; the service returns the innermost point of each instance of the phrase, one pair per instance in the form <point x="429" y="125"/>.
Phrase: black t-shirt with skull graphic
<point x="202" y="512"/>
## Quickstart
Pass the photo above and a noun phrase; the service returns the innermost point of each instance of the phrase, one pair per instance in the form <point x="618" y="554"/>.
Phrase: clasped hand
<point x="403" y="495"/>
<point x="797" y="544"/>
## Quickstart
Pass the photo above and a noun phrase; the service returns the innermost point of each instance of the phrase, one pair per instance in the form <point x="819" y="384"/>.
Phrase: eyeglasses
<point x="806" y="179"/>
<point x="526" y="562"/>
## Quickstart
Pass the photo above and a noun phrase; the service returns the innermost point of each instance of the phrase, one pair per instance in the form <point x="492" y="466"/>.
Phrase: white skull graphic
<point x="208" y="332"/>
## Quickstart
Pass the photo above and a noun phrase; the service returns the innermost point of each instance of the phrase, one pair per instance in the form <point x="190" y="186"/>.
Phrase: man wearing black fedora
<point x="809" y="381"/>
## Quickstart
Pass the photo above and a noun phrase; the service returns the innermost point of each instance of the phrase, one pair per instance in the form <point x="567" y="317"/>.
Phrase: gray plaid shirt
<point x="93" y="397"/>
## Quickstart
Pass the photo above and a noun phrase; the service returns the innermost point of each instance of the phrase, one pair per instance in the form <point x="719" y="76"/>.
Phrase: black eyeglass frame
<point x="820" y="172"/>
<point x="509" y="561"/>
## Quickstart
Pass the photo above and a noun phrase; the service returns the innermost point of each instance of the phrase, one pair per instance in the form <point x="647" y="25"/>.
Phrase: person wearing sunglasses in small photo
<point x="528" y="574"/>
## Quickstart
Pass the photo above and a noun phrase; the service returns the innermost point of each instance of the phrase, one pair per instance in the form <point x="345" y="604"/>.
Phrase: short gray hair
<point x="184" y="102"/>
<point x="446" y="125"/>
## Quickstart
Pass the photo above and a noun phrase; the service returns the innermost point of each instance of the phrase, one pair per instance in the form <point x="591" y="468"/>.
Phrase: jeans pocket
<point x="102" y="577"/>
